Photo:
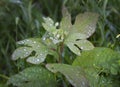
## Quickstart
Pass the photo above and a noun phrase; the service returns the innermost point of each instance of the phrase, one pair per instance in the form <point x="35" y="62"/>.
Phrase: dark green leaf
<point x="33" y="77"/>
<point x="98" y="63"/>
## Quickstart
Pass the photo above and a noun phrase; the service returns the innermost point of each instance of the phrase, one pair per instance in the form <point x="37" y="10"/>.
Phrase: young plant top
<point x="93" y="67"/>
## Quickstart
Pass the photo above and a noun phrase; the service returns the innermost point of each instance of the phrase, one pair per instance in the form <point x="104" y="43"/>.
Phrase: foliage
<point x="33" y="77"/>
<point x="32" y="45"/>
<point x="75" y="39"/>
<point x="74" y="74"/>
<point x="57" y="38"/>
<point x="100" y="64"/>
<point x="62" y="38"/>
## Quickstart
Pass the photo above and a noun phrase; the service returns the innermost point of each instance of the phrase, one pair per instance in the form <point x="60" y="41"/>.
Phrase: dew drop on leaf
<point x="27" y="40"/>
<point x="24" y="49"/>
<point x="34" y="42"/>
<point x="81" y="47"/>
<point x="38" y="60"/>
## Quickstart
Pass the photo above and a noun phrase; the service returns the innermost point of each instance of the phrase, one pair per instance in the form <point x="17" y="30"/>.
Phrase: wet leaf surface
<point x="74" y="74"/>
<point x="30" y="45"/>
<point x="33" y="77"/>
<point x="100" y="64"/>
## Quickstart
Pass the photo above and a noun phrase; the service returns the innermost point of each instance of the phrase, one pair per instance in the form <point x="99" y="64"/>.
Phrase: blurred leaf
<point x="97" y="61"/>
<point x="3" y="85"/>
<point x="33" y="77"/>
<point x="55" y="35"/>
<point x="77" y="33"/>
<point x="49" y="25"/>
<point x="77" y="42"/>
<point x="74" y="74"/>
<point x="16" y="1"/>
<point x="85" y="23"/>
<point x="65" y="23"/>
<point x="33" y="44"/>
<point x="21" y="52"/>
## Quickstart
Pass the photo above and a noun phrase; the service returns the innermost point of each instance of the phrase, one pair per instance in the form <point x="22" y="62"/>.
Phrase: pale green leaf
<point x="33" y="77"/>
<point x="30" y="45"/>
<point x="73" y="48"/>
<point x="77" y="41"/>
<point x="83" y="28"/>
<point x="85" y="23"/>
<point x="66" y="20"/>
<point x="75" y="36"/>
<point x="21" y="52"/>
<point x="74" y="74"/>
<point x="84" y="44"/>
<point x="49" y="25"/>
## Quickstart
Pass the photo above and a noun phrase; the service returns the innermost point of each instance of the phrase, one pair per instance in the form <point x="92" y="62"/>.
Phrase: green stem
<point x="3" y="76"/>
<point x="61" y="47"/>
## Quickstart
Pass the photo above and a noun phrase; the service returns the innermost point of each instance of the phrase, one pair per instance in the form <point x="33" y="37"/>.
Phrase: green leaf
<point x="53" y="34"/>
<point x="65" y="23"/>
<point x="49" y="25"/>
<point x="97" y="61"/>
<point x="78" y="41"/>
<point x="99" y="57"/>
<point x="3" y="85"/>
<point x="76" y="34"/>
<point x="33" y="77"/>
<point x="30" y="45"/>
<point x="85" y="23"/>
<point x="74" y="74"/>
<point x="21" y="52"/>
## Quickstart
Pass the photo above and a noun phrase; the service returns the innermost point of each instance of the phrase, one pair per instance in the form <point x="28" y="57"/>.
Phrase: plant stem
<point x="3" y="76"/>
<point x="61" y="47"/>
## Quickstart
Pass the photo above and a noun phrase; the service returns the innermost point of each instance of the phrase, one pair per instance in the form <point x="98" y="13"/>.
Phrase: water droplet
<point x="46" y="51"/>
<point x="49" y="19"/>
<point x="51" y="38"/>
<point x="41" y="54"/>
<point x="98" y="55"/>
<point x="27" y="40"/>
<point x="44" y="38"/>
<point x="56" y="24"/>
<point x="38" y="60"/>
<point x="34" y="42"/>
<point x="81" y="47"/>
<point x="50" y="24"/>
<point x="38" y="46"/>
<point x="21" y="42"/>
<point x="58" y="36"/>
<point x="27" y="53"/>
<point x="24" y="49"/>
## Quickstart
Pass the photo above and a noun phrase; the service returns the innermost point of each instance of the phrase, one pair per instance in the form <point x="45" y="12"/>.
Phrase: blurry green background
<point x="20" y="19"/>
